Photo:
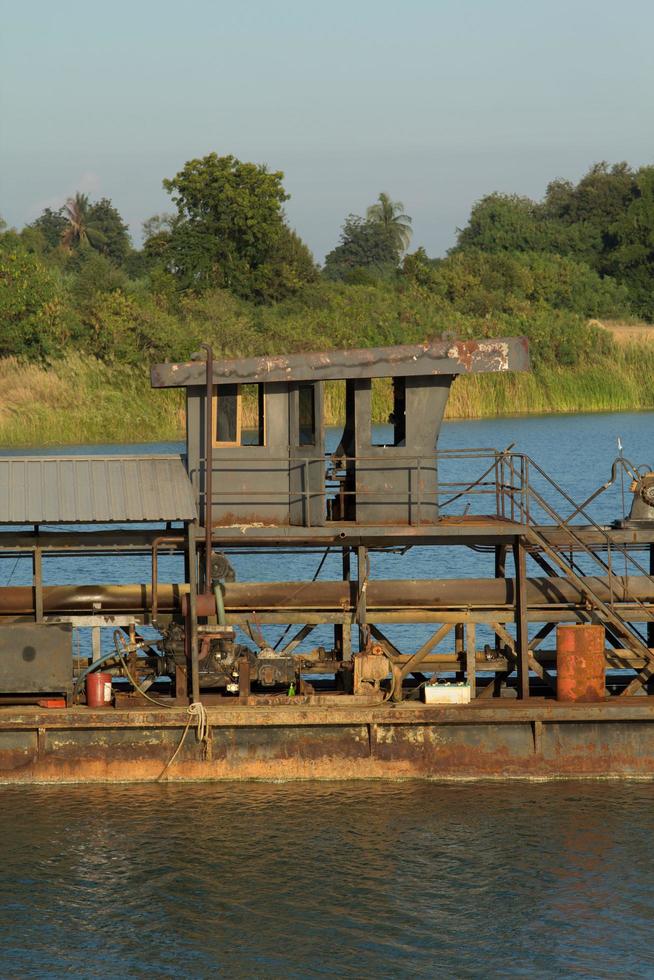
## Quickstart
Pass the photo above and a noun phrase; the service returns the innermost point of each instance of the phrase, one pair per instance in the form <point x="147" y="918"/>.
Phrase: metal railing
<point x="314" y="478"/>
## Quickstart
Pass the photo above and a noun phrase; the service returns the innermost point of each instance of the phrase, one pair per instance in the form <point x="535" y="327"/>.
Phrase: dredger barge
<point x="538" y="667"/>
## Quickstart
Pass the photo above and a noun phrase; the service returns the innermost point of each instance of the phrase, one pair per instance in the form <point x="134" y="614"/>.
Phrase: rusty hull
<point x="537" y="741"/>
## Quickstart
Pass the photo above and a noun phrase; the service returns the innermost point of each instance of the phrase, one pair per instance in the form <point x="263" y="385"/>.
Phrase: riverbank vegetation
<point x="83" y="313"/>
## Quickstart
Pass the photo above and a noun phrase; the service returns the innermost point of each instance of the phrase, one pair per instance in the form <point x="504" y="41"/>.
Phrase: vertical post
<point x="362" y="588"/>
<point x="193" y="612"/>
<point x="650" y="625"/>
<point x="471" y="658"/>
<point x="522" y="637"/>
<point x="500" y="572"/>
<point x="37" y="567"/>
<point x="342" y="631"/>
<point x="458" y="648"/>
<point x="307" y="492"/>
<point x="96" y="643"/>
<point x="208" y="469"/>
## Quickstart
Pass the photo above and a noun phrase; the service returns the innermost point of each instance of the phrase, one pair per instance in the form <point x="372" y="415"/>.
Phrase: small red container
<point x="98" y="690"/>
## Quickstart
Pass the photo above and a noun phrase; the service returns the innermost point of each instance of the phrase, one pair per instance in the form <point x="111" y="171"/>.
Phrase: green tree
<point x="230" y="219"/>
<point x="390" y="215"/>
<point x="632" y="260"/>
<point x="111" y="232"/>
<point x="52" y="225"/>
<point x="81" y="231"/>
<point x="34" y="320"/>
<point x="367" y="250"/>
<point x="503" y="222"/>
<point x="288" y="267"/>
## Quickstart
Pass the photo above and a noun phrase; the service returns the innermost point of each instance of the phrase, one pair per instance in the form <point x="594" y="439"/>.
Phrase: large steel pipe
<point x="331" y="596"/>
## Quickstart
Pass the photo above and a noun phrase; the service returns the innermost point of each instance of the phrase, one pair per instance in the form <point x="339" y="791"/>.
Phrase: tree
<point x="230" y="218"/>
<point x="288" y="267"/>
<point x="390" y="215"/>
<point x="80" y="230"/>
<point x="364" y="246"/>
<point x="111" y="232"/>
<point x="52" y="225"/>
<point x="632" y="260"/>
<point x="34" y="320"/>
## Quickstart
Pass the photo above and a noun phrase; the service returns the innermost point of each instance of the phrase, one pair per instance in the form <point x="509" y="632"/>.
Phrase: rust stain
<point x="339" y="748"/>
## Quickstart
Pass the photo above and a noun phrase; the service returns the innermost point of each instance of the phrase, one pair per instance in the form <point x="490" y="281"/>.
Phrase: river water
<point x="351" y="880"/>
<point x="348" y="880"/>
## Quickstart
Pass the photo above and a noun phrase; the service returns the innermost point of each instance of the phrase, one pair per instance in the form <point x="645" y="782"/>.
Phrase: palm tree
<point x="391" y="215"/>
<point x="81" y="229"/>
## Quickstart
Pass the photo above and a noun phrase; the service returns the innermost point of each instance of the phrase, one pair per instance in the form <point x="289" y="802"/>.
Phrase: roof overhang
<point x="94" y="489"/>
<point x="449" y="357"/>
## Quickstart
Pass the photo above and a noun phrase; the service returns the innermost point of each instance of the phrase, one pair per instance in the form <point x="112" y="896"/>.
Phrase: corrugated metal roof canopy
<point x="94" y="489"/>
<point x="407" y="360"/>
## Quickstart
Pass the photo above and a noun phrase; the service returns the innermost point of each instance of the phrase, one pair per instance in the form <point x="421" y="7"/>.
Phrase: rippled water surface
<point x="351" y="880"/>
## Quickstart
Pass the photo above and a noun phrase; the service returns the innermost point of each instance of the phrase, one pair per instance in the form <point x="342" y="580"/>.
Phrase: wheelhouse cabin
<point x="278" y="470"/>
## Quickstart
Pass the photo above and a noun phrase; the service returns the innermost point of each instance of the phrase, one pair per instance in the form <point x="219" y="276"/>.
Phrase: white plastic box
<point x="447" y="693"/>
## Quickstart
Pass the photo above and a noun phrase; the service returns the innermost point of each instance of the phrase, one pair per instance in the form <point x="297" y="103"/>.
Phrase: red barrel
<point x="580" y="663"/>
<point x="98" y="690"/>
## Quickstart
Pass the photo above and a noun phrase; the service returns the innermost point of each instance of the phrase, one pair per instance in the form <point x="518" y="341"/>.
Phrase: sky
<point x="436" y="102"/>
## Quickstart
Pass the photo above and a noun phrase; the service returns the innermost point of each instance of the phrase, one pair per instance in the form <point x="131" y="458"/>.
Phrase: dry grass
<point x="79" y="400"/>
<point x="627" y="333"/>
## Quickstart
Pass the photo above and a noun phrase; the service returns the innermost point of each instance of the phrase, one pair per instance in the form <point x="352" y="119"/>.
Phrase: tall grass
<point x="82" y="400"/>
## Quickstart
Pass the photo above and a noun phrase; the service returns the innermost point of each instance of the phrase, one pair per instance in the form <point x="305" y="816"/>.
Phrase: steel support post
<point x="193" y="613"/>
<point x="522" y="636"/>
<point x="37" y="567"/>
<point x="471" y="659"/>
<point x="342" y="631"/>
<point x="363" y="567"/>
<point x="500" y="572"/>
<point x="459" y="646"/>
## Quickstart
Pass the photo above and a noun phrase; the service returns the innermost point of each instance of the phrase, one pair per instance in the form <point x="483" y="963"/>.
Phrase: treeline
<point x="225" y="266"/>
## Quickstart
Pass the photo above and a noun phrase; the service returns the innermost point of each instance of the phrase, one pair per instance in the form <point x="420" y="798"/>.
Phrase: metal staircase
<point x="520" y="499"/>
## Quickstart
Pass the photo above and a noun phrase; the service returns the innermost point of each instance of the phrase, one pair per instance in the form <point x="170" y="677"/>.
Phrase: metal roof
<point x="94" y="489"/>
<point x="408" y="360"/>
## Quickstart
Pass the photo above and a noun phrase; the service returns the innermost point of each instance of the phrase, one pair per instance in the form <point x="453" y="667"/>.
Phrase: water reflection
<point x="356" y="880"/>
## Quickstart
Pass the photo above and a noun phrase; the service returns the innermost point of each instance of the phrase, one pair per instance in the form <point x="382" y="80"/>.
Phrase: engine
<point x="220" y="658"/>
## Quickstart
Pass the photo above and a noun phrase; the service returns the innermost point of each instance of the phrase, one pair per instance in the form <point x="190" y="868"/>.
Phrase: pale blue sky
<point x="435" y="102"/>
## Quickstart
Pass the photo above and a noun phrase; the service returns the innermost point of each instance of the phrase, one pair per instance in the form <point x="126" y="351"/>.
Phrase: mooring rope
<point x="196" y="710"/>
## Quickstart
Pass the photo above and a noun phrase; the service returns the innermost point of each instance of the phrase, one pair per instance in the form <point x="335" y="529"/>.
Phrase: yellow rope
<point x="196" y="710"/>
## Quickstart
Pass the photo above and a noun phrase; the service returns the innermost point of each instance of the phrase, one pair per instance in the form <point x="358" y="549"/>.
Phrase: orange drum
<point x="580" y="663"/>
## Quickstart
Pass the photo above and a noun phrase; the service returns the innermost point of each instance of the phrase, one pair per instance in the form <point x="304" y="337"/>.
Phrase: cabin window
<point x="253" y="431"/>
<point x="307" y="415"/>
<point x="393" y="392"/>
<point x="238" y="415"/>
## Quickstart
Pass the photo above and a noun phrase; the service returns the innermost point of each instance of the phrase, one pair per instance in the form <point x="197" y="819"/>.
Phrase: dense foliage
<point x="605" y="222"/>
<point x="226" y="267"/>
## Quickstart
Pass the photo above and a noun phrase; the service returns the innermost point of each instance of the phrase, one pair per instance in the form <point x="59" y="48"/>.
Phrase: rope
<point x="196" y="710"/>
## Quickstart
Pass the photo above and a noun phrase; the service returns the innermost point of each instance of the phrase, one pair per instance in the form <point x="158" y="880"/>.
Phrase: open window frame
<point x="227" y="417"/>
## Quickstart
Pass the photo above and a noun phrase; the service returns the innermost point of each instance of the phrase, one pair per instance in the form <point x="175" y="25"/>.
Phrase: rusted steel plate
<point x="499" y="711"/>
<point x="584" y="749"/>
<point x="439" y="357"/>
